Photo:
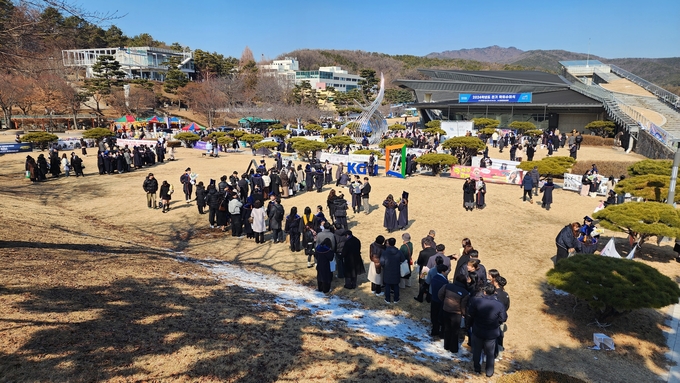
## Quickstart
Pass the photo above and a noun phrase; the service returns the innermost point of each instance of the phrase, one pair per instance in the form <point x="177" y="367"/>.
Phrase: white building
<point x="137" y="62"/>
<point x="289" y="73"/>
<point x="329" y="76"/>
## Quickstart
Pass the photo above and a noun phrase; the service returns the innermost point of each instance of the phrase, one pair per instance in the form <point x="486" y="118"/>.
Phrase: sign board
<point x="16" y="148"/>
<point x="512" y="177"/>
<point x="573" y="182"/>
<point x="120" y="142"/>
<point x="496" y="98"/>
<point x="496" y="163"/>
<point x="335" y="158"/>
<point x="457" y="128"/>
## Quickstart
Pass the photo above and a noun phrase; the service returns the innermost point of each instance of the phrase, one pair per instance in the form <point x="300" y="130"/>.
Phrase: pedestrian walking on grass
<point x="390" y="262"/>
<point x="166" y="195"/>
<point x="527" y="185"/>
<point x="486" y="314"/>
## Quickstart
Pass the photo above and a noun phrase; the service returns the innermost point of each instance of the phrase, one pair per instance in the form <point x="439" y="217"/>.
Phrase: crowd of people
<point x="465" y="299"/>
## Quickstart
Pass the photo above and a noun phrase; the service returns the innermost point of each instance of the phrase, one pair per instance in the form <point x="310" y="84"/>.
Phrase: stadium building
<point x="584" y="91"/>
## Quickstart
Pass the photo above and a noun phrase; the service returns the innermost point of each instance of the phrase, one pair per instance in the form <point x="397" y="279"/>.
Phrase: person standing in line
<point x="390" y="262"/>
<point x="355" y="192"/>
<point x="330" y="203"/>
<point x="374" y="269"/>
<point x="292" y="228"/>
<point x="200" y="197"/>
<point x="212" y="199"/>
<point x="307" y="224"/>
<point x="406" y="249"/>
<point x="275" y="213"/>
<point x="502" y="296"/>
<point x="437" y="281"/>
<point x="547" y="190"/>
<point x="150" y="186"/>
<point x="324" y="276"/>
<point x="309" y="178"/>
<point x="235" y="206"/>
<point x="340" y="235"/>
<point x="353" y="264"/>
<point x="486" y="315"/>
<point x="165" y="194"/>
<point x="455" y="298"/>
<point x="429" y="250"/>
<point x="365" y="193"/>
<point x="259" y="219"/>
<point x="341" y="211"/>
<point x="390" y="220"/>
<point x="185" y="180"/>
<point x="527" y="185"/>
<point x="65" y="165"/>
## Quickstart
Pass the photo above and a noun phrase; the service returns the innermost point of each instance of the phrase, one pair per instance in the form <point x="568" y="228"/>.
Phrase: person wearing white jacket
<point x="259" y="219"/>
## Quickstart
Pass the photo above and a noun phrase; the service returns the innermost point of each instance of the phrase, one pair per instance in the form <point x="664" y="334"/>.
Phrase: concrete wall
<point x="650" y="147"/>
<point x="571" y="121"/>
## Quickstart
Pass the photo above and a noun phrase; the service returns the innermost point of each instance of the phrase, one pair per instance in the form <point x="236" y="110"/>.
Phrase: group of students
<point x="465" y="298"/>
<point x="37" y="171"/>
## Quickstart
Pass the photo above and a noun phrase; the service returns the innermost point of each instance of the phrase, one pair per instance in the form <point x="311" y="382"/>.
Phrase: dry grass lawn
<point x="90" y="289"/>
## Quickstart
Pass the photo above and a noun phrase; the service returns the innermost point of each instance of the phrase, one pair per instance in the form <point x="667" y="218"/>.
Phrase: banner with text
<point x="513" y="177"/>
<point x="16" y="148"/>
<point x="494" y="97"/>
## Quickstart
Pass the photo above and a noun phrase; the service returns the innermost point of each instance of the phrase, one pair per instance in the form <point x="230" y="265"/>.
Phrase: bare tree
<point x="206" y="98"/>
<point x="141" y="98"/>
<point x="10" y="88"/>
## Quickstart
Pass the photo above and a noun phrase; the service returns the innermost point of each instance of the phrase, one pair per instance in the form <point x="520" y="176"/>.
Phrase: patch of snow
<point x="560" y="292"/>
<point x="373" y="324"/>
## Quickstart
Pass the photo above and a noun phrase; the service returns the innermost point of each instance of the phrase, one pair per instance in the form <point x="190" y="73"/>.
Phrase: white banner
<point x="457" y="128"/>
<point x="574" y="182"/>
<point x="132" y="143"/>
<point x="496" y="163"/>
<point x="334" y="158"/>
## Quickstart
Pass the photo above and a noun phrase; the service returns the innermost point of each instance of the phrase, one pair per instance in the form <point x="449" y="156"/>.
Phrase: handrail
<point x="668" y="97"/>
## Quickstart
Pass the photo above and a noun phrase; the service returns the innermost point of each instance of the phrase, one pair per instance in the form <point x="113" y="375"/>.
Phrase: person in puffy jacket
<point x="567" y="241"/>
<point x="527" y="185"/>
<point x="341" y="210"/>
<point x="150" y="186"/>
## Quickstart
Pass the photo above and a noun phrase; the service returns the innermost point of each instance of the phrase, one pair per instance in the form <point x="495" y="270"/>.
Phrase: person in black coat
<point x="309" y="177"/>
<point x="318" y="180"/>
<point x="55" y="164"/>
<point x="341" y="211"/>
<point x="292" y="228"/>
<point x="212" y="199"/>
<point x="200" y="197"/>
<point x="275" y="183"/>
<point x="353" y="265"/>
<point x="42" y="167"/>
<point x="77" y="163"/>
<point x="530" y="152"/>
<point x="402" y="221"/>
<point x="547" y="190"/>
<point x="324" y="255"/>
<point x="390" y="219"/>
<point x="485" y="314"/>
<point x="469" y="195"/>
<point x="136" y="158"/>
<point x="390" y="262"/>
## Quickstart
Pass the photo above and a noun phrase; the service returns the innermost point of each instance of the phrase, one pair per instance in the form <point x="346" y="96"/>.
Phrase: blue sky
<point x="612" y="29"/>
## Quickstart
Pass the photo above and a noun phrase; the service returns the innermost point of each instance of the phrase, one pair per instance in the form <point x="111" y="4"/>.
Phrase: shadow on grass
<point x="157" y="329"/>
<point x="623" y="364"/>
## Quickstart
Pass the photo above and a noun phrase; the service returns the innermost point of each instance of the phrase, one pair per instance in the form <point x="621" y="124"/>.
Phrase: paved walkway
<point x="673" y="340"/>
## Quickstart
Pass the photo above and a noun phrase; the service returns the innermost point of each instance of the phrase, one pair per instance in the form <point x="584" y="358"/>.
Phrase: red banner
<point x="499" y="176"/>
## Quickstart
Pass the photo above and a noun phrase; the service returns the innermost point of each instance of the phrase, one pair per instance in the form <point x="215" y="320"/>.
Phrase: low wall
<point x="650" y="147"/>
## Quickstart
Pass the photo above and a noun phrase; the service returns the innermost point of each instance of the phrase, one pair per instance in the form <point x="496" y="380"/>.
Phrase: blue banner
<point x="494" y="97"/>
<point x="16" y="148"/>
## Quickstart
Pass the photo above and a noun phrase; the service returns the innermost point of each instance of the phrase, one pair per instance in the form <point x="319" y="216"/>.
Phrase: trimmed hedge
<point x="589" y="140"/>
<point x="606" y="168"/>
